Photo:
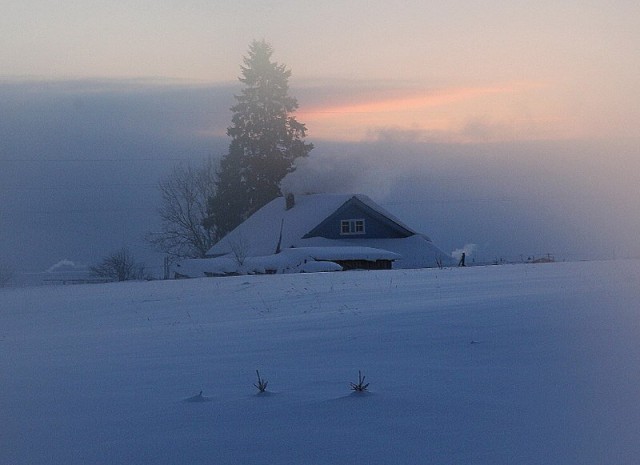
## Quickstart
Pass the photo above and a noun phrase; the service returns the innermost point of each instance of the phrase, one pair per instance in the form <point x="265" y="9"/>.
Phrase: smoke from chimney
<point x="341" y="174"/>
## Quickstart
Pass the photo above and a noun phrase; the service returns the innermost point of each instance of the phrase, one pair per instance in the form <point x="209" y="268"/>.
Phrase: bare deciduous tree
<point x="185" y="193"/>
<point x="119" y="266"/>
<point x="240" y="248"/>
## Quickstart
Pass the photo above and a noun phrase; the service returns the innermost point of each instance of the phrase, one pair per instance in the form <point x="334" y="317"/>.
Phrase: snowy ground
<point x="517" y="364"/>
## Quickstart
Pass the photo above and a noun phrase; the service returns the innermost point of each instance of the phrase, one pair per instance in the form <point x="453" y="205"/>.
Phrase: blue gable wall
<point x="377" y="226"/>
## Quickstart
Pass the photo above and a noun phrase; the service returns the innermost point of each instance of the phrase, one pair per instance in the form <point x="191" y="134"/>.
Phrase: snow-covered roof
<point x="415" y="251"/>
<point x="258" y="237"/>
<point x="339" y="252"/>
<point x="260" y="233"/>
<point x="292" y="260"/>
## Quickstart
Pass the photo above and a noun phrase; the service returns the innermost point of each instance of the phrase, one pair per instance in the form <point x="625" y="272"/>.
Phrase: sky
<point x="507" y="112"/>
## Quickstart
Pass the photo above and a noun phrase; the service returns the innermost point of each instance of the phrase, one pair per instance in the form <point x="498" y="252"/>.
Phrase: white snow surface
<point x="514" y="364"/>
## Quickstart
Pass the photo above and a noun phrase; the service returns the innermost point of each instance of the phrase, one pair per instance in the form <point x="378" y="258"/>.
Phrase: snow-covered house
<point x="317" y="232"/>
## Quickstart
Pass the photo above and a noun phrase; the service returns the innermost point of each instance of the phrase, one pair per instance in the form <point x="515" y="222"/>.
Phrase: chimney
<point x="289" y="201"/>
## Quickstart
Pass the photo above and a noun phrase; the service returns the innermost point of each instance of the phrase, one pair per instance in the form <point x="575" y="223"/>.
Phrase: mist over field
<point x="80" y="161"/>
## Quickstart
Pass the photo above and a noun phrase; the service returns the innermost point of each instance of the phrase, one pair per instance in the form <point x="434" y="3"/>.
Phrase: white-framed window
<point x="354" y="226"/>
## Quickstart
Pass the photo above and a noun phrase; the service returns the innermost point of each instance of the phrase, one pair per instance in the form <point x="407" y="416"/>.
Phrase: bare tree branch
<point x="240" y="247"/>
<point x="185" y="194"/>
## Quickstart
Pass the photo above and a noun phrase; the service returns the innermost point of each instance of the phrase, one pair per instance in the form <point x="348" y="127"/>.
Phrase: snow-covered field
<point x="517" y="364"/>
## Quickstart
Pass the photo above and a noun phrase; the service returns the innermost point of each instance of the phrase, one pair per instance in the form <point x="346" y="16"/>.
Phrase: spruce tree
<point x="265" y="141"/>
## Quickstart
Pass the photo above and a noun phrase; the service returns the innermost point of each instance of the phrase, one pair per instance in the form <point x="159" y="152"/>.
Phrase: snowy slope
<point x="520" y="364"/>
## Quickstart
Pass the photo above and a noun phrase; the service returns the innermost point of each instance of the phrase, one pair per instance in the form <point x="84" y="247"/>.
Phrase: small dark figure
<point x="461" y="262"/>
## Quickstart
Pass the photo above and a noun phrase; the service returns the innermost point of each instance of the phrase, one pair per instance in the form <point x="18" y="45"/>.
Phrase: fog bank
<point x="80" y="161"/>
